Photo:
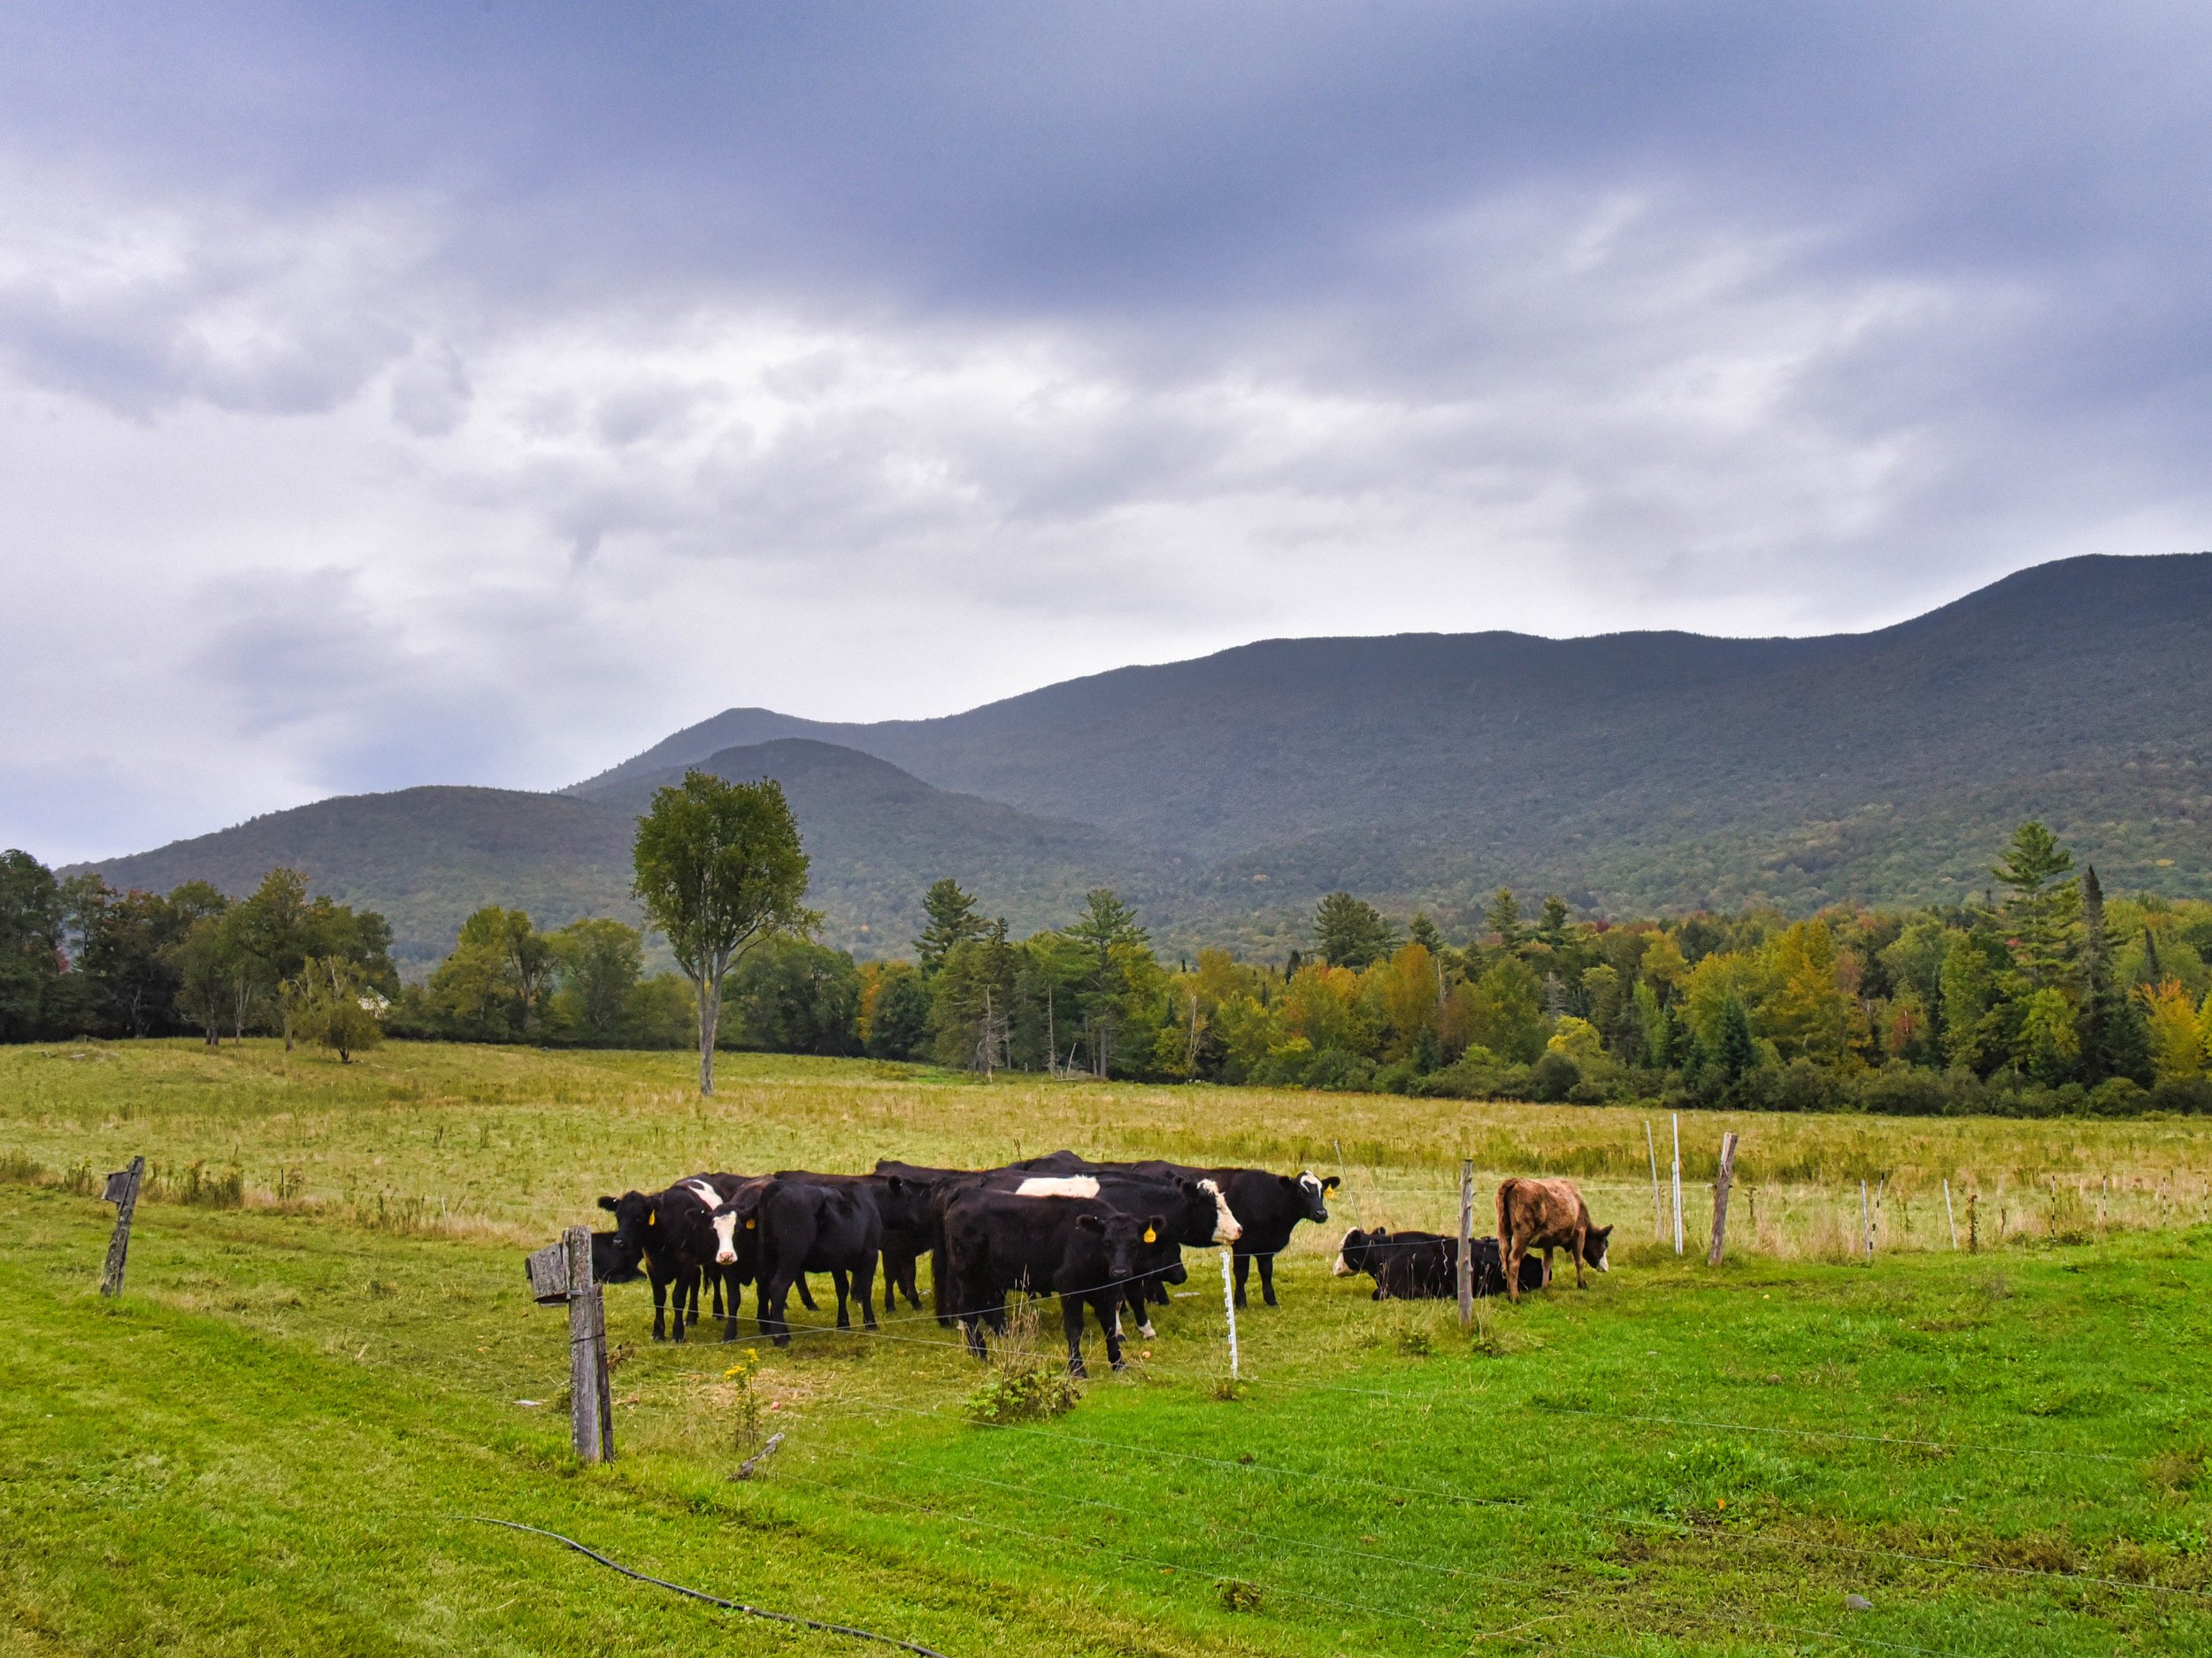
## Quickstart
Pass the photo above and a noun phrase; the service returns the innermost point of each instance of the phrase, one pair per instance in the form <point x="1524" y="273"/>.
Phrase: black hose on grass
<point x="713" y="1600"/>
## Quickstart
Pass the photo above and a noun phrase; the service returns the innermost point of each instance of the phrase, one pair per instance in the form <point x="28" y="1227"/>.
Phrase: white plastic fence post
<point x="1949" y="1215"/>
<point x="1229" y="1305"/>
<point x="1677" y="1183"/>
<point x="1658" y="1211"/>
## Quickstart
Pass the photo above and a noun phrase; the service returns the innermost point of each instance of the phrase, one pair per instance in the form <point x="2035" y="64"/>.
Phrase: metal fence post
<point x="1466" y="1241"/>
<point x="1229" y="1305"/>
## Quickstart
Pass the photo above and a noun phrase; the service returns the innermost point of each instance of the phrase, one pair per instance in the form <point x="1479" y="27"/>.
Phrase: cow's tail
<point x="1505" y="1225"/>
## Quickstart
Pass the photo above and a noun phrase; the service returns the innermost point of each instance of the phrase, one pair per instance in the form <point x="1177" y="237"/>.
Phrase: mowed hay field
<point x="284" y="1434"/>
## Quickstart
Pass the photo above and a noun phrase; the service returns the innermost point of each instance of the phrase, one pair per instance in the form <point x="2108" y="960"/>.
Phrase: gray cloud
<point x="440" y="394"/>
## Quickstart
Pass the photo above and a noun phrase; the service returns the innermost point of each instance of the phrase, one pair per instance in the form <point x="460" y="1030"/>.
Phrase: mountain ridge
<point x="1634" y="770"/>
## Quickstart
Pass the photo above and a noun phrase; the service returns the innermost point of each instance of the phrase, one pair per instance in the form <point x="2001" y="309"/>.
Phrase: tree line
<point x="2042" y="996"/>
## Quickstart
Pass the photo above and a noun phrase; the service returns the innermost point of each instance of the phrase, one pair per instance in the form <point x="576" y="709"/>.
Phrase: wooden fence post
<point x="1466" y="1241"/>
<point x="560" y="1274"/>
<point x="122" y="1191"/>
<point x="588" y="1405"/>
<point x="1720" y="1197"/>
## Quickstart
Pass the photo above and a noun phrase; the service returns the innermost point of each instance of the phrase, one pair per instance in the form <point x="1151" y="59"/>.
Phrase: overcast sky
<point x="394" y="393"/>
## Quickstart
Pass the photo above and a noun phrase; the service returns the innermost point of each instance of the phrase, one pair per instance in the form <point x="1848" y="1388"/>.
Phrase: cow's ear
<point x="1329" y="1183"/>
<point x="608" y="1204"/>
<point x="1600" y="1232"/>
<point x="1189" y="1185"/>
<point x="892" y="1183"/>
<point x="1090" y="1223"/>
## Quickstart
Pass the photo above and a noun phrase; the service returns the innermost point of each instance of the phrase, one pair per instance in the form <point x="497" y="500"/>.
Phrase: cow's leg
<point x="1511" y="1250"/>
<point x="864" y="1280"/>
<point x="974" y="1326"/>
<point x="1113" y="1339"/>
<point x="1548" y="1249"/>
<point x="1244" y="1265"/>
<point x="660" y="1305"/>
<point x="729" y="1317"/>
<point x="774" y="1292"/>
<point x="686" y="1284"/>
<point x="1071" y="1321"/>
<point x="1580" y="1235"/>
<point x="844" y="1289"/>
<point x="1139" y="1303"/>
<point x="1267" y="1281"/>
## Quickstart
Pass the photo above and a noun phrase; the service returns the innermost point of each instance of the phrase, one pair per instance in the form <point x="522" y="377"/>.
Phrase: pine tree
<point x="1351" y="931"/>
<point x="1503" y="918"/>
<point x="1738" y="1053"/>
<point x="951" y="919"/>
<point x="2042" y="911"/>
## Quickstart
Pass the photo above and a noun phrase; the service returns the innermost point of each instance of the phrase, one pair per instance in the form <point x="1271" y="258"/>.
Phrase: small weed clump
<point x="745" y="1408"/>
<point x="1025" y="1384"/>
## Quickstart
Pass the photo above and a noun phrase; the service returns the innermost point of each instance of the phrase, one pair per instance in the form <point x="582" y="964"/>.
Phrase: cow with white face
<point x="1263" y="1208"/>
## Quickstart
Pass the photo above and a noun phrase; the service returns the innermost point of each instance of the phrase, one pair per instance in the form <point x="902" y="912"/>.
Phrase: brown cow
<point x="1546" y="1214"/>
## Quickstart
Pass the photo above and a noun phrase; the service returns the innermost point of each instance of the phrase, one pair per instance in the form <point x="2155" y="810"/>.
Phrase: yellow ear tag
<point x="750" y="1224"/>
<point x="652" y="1220"/>
<point x="1151" y="1236"/>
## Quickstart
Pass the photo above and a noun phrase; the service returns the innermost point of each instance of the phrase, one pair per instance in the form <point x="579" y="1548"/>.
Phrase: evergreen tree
<point x="1424" y="933"/>
<point x="1108" y="939"/>
<point x="1738" y="1053"/>
<point x="2042" y="908"/>
<point x="1551" y="925"/>
<point x="1351" y="931"/>
<point x="951" y="919"/>
<point x="1503" y="918"/>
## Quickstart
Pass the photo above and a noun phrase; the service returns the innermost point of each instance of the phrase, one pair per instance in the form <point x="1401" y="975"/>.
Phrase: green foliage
<point x="30" y="948"/>
<point x="952" y="919"/>
<point x="789" y="997"/>
<point x="719" y="867"/>
<point x="1506" y="1012"/>
<point x="1351" y="932"/>
<point x="894" y="1019"/>
<point x="331" y="1002"/>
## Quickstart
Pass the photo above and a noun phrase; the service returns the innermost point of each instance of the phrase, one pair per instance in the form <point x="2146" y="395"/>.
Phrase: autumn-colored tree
<point x="1410" y="987"/>
<point x="2176" y="1031"/>
<point x="1321" y="1004"/>
<point x="1806" y="1015"/>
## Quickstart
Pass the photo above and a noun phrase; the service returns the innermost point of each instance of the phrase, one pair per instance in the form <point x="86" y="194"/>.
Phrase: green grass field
<point x="283" y="1435"/>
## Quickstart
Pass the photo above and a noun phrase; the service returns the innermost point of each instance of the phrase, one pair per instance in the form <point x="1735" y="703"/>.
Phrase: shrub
<point x="1025" y="1384"/>
<point x="1552" y="1077"/>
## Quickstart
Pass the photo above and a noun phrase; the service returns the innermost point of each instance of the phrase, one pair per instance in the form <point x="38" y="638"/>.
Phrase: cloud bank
<point x="430" y="396"/>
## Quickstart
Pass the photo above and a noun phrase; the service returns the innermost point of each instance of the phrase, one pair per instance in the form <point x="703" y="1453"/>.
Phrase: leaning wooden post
<point x="561" y="1274"/>
<point x="122" y="1191"/>
<point x="1720" y="1197"/>
<point x="1466" y="1241"/>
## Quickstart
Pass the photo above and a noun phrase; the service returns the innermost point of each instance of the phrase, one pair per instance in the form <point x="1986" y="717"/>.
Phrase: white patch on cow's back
<point x="1058" y="1185"/>
<point x="705" y="1193"/>
<point x="1227" y="1227"/>
<point x="1343" y="1270"/>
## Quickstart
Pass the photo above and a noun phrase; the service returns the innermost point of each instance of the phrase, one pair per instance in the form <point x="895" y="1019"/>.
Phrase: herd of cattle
<point x="1101" y="1235"/>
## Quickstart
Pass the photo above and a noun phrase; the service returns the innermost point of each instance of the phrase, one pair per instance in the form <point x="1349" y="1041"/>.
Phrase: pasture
<point x="284" y="1432"/>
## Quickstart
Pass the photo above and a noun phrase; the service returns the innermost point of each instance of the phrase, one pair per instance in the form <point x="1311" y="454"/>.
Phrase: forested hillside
<point x="426" y="858"/>
<point x="1630" y="773"/>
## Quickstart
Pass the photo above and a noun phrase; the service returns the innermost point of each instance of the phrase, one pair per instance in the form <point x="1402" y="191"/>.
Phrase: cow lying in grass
<point x="1547" y="1215"/>
<point x="1412" y="1266"/>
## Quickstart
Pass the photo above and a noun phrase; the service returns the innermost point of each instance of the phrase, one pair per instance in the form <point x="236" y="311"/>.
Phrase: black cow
<point x="812" y="1224"/>
<point x="998" y="1244"/>
<point x="906" y="1239"/>
<point x="1196" y="1216"/>
<point x="1268" y="1206"/>
<point x="1409" y="1266"/>
<point x="668" y="1231"/>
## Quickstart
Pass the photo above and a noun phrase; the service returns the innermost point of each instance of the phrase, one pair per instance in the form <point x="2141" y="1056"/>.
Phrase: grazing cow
<point x="1546" y="1214"/>
<point x="999" y="1243"/>
<point x="807" y="1224"/>
<point x="1266" y="1206"/>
